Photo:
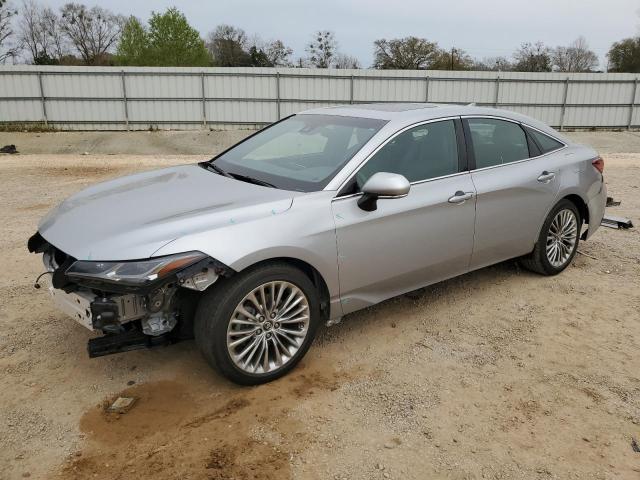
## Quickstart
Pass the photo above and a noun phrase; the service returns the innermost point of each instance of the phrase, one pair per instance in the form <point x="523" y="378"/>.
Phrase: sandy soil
<point x="498" y="374"/>
<point x="208" y="142"/>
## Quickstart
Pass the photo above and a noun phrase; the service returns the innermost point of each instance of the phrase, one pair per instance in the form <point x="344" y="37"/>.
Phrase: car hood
<point x="132" y="217"/>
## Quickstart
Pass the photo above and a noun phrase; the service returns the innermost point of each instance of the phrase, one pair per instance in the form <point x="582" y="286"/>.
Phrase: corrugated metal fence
<point x="137" y="98"/>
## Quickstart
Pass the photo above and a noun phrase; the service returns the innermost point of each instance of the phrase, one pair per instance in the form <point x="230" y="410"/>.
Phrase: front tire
<point x="256" y="326"/>
<point x="558" y="240"/>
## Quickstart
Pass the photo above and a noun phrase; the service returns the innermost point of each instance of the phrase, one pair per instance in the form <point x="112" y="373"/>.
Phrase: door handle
<point x="546" y="177"/>
<point x="460" y="197"/>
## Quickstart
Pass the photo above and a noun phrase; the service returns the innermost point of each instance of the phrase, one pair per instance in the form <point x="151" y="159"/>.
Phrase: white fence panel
<point x="114" y="98"/>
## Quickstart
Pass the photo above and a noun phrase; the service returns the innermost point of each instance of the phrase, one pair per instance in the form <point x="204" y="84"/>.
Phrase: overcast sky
<point x="484" y="28"/>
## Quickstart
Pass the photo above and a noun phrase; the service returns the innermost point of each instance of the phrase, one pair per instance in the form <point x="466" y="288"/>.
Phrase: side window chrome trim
<point x="522" y="124"/>
<point x="418" y="182"/>
<point x="496" y="117"/>
<point x="379" y="147"/>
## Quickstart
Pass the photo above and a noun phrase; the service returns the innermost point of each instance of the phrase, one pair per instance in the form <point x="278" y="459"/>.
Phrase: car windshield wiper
<point x="246" y="178"/>
<point x="217" y="169"/>
<point x="237" y="176"/>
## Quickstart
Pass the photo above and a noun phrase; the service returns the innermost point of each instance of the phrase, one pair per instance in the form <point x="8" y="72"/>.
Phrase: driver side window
<point x="420" y="153"/>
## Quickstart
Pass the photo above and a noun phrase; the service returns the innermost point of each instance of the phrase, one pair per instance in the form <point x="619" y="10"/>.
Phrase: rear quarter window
<point x="545" y="142"/>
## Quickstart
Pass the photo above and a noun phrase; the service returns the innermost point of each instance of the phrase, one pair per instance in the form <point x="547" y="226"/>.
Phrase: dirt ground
<point x="498" y="374"/>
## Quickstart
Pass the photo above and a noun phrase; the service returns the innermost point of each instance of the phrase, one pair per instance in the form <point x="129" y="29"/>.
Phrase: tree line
<point x="80" y="35"/>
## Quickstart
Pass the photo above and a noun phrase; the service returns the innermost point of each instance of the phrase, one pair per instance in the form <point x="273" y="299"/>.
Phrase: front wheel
<point x="257" y="325"/>
<point x="558" y="240"/>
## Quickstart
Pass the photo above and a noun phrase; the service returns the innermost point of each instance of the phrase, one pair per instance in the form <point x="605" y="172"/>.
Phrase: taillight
<point x="598" y="164"/>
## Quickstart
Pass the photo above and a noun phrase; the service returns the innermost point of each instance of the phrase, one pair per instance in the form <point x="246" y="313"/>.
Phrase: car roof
<point x="402" y="114"/>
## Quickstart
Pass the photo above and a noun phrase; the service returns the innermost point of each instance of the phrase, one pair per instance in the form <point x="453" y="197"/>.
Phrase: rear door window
<point x="546" y="143"/>
<point x="496" y="142"/>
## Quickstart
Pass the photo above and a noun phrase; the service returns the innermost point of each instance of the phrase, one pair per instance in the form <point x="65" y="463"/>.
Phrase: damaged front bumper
<point x="131" y="314"/>
<point x="78" y="305"/>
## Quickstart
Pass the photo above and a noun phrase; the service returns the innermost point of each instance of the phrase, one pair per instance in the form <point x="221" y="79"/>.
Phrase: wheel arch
<point x="573" y="197"/>
<point x="308" y="269"/>
<point x="580" y="204"/>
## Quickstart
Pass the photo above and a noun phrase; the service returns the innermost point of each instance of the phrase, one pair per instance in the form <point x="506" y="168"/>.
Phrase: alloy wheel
<point x="268" y="327"/>
<point x="562" y="237"/>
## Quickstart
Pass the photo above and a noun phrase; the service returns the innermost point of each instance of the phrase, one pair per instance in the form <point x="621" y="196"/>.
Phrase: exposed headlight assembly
<point x="133" y="273"/>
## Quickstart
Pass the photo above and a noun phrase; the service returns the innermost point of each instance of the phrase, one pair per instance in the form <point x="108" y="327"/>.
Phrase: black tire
<point x="218" y="304"/>
<point x="537" y="260"/>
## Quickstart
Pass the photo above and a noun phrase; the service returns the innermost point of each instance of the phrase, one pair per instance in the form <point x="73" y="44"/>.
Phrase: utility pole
<point x="452" y="52"/>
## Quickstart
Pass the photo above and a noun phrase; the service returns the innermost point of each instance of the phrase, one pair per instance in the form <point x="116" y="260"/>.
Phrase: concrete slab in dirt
<point x="122" y="405"/>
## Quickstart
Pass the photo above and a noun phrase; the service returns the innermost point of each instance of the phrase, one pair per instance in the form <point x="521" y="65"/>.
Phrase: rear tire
<point x="558" y="240"/>
<point x="246" y="330"/>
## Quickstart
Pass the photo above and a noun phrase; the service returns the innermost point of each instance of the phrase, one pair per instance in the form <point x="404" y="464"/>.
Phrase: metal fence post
<point x="204" y="101"/>
<point x="124" y="99"/>
<point x="564" y="103"/>
<point x="426" y="89"/>
<point x="351" y="90"/>
<point x="43" y="100"/>
<point x="278" y="95"/>
<point x="495" y="100"/>
<point x="633" y="103"/>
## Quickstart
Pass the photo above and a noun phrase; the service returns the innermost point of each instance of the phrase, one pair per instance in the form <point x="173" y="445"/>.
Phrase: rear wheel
<point x="558" y="240"/>
<point x="257" y="325"/>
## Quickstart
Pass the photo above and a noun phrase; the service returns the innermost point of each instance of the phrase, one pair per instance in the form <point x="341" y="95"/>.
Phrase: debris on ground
<point x="634" y="445"/>
<point x="612" y="203"/>
<point x="612" y="221"/>
<point x="122" y="405"/>
<point x="9" y="149"/>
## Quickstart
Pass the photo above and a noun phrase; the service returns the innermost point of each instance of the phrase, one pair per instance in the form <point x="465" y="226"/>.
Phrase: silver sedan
<point x="316" y="216"/>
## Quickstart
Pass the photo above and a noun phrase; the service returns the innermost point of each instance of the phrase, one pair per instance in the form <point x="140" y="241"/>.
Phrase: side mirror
<point x="383" y="185"/>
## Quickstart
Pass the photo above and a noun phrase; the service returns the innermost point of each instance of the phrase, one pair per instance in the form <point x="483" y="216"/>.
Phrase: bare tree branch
<point x="7" y="48"/>
<point x="577" y="57"/>
<point x="322" y="49"/>
<point x="40" y="33"/>
<point x="93" y="32"/>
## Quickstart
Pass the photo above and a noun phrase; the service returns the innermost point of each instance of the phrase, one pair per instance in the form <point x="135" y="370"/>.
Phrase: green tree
<point x="133" y="48"/>
<point x="173" y="42"/>
<point x="624" y="56"/>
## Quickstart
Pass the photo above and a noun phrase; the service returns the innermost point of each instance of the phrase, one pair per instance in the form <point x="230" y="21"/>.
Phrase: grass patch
<point x="30" y="127"/>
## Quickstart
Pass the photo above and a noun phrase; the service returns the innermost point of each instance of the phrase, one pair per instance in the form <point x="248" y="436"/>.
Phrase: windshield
<point x="302" y="152"/>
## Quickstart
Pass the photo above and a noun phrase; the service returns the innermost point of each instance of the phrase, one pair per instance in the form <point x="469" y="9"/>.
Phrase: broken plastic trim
<point x="202" y="274"/>
<point x="612" y="221"/>
<point x="124" y="342"/>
